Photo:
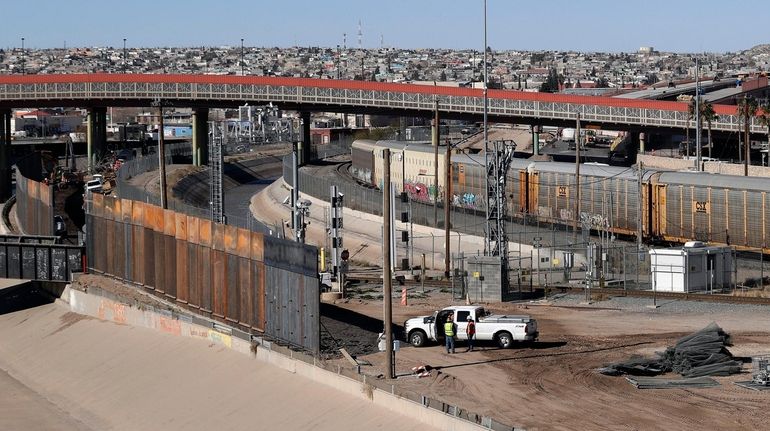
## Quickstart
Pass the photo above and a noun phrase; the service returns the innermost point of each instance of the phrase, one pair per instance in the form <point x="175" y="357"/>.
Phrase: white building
<point x="692" y="268"/>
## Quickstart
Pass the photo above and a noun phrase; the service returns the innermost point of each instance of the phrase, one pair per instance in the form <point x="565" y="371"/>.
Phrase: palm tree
<point x="707" y="113"/>
<point x="764" y="118"/>
<point x="690" y="110"/>
<point x="747" y="108"/>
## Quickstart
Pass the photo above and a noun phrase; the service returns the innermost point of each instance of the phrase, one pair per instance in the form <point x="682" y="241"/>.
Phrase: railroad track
<point x="343" y="170"/>
<point x="714" y="298"/>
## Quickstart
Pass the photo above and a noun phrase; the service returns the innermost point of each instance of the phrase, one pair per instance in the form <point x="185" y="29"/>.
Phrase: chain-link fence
<point x="175" y="153"/>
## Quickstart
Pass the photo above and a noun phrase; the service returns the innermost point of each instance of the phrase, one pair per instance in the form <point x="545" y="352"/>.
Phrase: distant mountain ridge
<point x="759" y="49"/>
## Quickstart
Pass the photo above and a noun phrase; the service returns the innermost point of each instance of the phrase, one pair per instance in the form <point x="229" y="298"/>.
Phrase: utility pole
<point x="697" y="119"/>
<point x="436" y="138"/>
<point x="295" y="222"/>
<point x="488" y="237"/>
<point x="125" y="58"/>
<point x="161" y="155"/>
<point x="447" y="203"/>
<point x="639" y="232"/>
<point x="23" y="59"/>
<point x="746" y="142"/>
<point x="577" y="182"/>
<point x="339" y="61"/>
<point x="387" y="305"/>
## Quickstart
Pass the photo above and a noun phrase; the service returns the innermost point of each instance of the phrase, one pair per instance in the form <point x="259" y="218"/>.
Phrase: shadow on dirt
<point x="356" y="332"/>
<point x="544" y="346"/>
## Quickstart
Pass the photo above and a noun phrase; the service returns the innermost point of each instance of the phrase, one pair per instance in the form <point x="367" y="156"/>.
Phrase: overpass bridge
<point x="98" y="91"/>
<point x="305" y="94"/>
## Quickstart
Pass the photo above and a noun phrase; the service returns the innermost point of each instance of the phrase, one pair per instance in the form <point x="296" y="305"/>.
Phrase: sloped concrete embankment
<point x="377" y="392"/>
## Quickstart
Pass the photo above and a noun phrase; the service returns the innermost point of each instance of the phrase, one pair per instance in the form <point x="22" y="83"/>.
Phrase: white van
<point x="96" y="184"/>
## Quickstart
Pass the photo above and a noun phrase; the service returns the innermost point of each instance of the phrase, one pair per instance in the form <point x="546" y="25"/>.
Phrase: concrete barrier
<point x="183" y="325"/>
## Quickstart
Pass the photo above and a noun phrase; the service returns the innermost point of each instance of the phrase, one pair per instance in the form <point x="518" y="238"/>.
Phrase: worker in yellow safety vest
<point x="449" y="333"/>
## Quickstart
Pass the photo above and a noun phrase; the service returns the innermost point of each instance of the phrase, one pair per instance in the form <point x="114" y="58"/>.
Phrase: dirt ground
<point x="554" y="384"/>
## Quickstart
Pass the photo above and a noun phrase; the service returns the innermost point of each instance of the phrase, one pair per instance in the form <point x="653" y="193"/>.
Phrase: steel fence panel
<point x="54" y="262"/>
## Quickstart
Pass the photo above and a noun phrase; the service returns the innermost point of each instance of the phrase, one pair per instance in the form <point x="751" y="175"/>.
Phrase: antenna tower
<point x="360" y="34"/>
<point x="496" y="238"/>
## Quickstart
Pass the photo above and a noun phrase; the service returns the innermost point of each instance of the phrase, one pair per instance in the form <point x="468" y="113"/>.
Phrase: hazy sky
<point x="584" y="25"/>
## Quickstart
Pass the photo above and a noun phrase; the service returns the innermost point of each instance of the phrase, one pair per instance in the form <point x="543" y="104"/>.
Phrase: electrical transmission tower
<point x="217" y="140"/>
<point x="496" y="241"/>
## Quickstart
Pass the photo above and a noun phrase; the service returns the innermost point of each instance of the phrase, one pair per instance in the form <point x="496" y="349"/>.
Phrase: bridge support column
<point x="5" y="150"/>
<point x="96" y="135"/>
<point x="642" y="138"/>
<point x="200" y="136"/>
<point x="305" y="152"/>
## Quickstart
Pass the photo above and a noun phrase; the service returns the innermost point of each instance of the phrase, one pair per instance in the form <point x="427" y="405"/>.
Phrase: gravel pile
<point x="673" y="306"/>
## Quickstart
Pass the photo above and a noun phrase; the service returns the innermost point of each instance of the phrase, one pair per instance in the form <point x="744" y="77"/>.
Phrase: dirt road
<point x="554" y="385"/>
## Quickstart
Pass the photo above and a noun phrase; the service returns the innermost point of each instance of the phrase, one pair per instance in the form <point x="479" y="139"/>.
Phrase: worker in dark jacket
<point x="470" y="331"/>
<point x="449" y="333"/>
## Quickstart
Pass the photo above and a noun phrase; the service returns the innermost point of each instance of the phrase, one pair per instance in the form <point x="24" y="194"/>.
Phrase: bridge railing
<point x="454" y="101"/>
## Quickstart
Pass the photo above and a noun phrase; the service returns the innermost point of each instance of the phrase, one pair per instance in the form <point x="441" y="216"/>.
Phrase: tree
<point x="551" y="84"/>
<point x="602" y="82"/>
<point x="707" y="114"/>
<point x="764" y="118"/>
<point x="747" y="108"/>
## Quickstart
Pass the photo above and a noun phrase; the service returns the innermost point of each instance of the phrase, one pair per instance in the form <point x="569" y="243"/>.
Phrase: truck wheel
<point x="417" y="338"/>
<point x="504" y="340"/>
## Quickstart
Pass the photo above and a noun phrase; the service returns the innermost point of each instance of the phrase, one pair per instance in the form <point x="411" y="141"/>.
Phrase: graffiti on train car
<point x="419" y="191"/>
<point x="468" y="200"/>
<point x="594" y="221"/>
<point x="361" y="174"/>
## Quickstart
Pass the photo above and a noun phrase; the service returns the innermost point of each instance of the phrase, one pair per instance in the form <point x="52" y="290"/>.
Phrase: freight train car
<point x="724" y="209"/>
<point x="609" y="196"/>
<point x="673" y="206"/>
<point x="362" y="157"/>
<point x="411" y="166"/>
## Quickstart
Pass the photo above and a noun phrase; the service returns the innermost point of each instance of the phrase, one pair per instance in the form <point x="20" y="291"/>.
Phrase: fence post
<point x="432" y="251"/>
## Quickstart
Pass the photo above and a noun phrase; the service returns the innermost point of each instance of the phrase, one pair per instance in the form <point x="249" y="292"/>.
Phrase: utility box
<point x="484" y="279"/>
<point x="696" y="267"/>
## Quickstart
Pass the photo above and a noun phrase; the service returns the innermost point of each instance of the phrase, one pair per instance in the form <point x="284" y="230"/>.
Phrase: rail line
<point x="726" y="298"/>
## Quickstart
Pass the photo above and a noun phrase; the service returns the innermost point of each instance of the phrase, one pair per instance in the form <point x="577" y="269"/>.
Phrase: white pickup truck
<point x="503" y="329"/>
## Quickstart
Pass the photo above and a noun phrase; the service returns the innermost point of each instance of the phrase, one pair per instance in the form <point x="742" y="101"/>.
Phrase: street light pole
<point x="125" y="58"/>
<point x="487" y="242"/>
<point x="242" y="74"/>
<point x="23" y="59"/>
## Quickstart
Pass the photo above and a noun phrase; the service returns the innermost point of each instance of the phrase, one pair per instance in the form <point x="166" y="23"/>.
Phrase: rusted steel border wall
<point x="34" y="206"/>
<point x="230" y="274"/>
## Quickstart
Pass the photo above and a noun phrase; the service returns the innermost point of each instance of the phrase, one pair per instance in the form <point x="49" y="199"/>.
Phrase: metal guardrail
<point x="37" y="261"/>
